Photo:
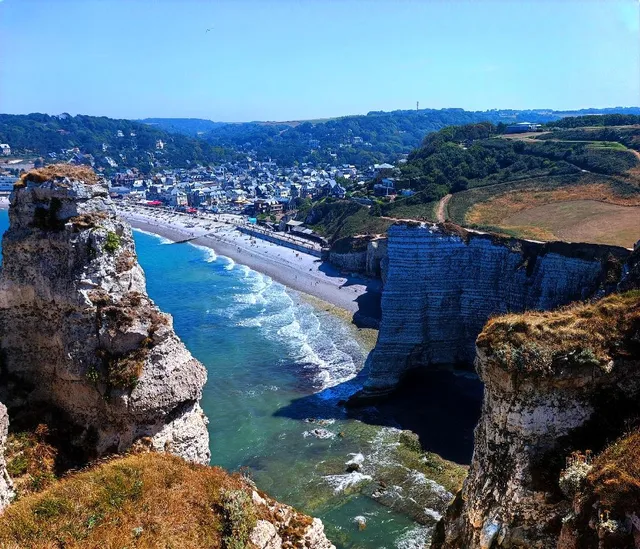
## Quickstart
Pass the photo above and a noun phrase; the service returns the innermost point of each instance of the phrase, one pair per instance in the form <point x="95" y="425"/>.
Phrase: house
<point x="6" y="150"/>
<point x="267" y="206"/>
<point x="6" y="183"/>
<point x="523" y="127"/>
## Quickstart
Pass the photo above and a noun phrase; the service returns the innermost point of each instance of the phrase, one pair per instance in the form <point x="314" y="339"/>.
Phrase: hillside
<point x="127" y="143"/>
<point x="576" y="184"/>
<point x="192" y="127"/>
<point x="364" y="139"/>
<point x="154" y="500"/>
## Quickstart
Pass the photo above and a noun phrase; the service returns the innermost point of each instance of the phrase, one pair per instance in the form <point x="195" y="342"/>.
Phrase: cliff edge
<point x="77" y="330"/>
<point x="559" y="387"/>
<point x="444" y="282"/>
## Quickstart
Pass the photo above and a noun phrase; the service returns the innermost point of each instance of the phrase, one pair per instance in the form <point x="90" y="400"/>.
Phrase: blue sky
<point x="285" y="59"/>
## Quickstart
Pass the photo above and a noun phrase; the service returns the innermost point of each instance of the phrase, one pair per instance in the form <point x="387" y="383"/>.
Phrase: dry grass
<point x="31" y="460"/>
<point x="495" y="210"/>
<point x="60" y="171"/>
<point x="578" y="335"/>
<point x="146" y="501"/>
<point x="581" y="213"/>
<point x="143" y="501"/>
<point x="615" y="477"/>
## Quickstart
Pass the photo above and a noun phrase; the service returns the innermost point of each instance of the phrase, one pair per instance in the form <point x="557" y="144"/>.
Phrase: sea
<point x="277" y="367"/>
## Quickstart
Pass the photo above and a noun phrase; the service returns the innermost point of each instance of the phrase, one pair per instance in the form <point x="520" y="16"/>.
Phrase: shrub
<point x="112" y="242"/>
<point x="240" y="518"/>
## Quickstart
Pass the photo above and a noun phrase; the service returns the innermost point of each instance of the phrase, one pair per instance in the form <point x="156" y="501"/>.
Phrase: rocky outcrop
<point x="285" y="527"/>
<point x="78" y="331"/>
<point x="444" y="282"/>
<point x="365" y="255"/>
<point x="558" y="387"/>
<point x="6" y="487"/>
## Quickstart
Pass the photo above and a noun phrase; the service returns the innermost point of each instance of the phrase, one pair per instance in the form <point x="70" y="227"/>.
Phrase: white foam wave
<point x="416" y="538"/>
<point x="162" y="239"/>
<point x="209" y="254"/>
<point x="340" y="483"/>
<point x="230" y="264"/>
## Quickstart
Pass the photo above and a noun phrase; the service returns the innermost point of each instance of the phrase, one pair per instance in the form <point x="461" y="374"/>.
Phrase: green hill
<point x="130" y="144"/>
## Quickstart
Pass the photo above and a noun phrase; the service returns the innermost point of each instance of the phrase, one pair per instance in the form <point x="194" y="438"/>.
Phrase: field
<point x="580" y="213"/>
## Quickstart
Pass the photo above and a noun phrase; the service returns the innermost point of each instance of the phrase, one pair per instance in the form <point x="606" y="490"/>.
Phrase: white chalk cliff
<point x="78" y="331"/>
<point x="6" y="488"/>
<point x="443" y="283"/>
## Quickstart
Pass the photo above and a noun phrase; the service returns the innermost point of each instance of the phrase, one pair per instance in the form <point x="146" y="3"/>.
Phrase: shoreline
<point x="296" y="270"/>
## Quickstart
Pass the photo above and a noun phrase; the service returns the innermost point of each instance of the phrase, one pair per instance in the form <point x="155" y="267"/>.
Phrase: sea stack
<point x="79" y="333"/>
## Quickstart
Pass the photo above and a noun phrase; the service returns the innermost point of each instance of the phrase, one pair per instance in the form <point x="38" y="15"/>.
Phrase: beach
<point x="296" y="270"/>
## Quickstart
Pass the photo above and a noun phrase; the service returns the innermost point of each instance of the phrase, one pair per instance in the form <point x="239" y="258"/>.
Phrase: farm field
<point x="582" y="213"/>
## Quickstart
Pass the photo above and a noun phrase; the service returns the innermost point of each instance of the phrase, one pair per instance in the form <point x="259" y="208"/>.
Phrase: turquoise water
<point x="267" y="352"/>
<point x="274" y="362"/>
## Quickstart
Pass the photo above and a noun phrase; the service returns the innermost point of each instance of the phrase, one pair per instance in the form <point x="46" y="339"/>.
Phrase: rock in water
<point x="78" y="331"/>
<point x="6" y="488"/>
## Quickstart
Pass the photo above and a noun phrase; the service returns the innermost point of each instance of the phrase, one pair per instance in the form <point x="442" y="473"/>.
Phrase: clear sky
<point x="286" y="59"/>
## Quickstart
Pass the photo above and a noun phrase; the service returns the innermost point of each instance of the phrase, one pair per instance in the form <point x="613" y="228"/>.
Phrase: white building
<point x="6" y="150"/>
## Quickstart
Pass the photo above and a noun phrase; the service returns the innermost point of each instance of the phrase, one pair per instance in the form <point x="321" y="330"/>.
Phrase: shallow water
<point x="267" y="351"/>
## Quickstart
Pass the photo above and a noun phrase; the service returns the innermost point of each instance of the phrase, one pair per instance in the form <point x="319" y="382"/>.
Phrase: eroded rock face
<point x="563" y="387"/>
<point x="443" y="283"/>
<point x="6" y="487"/>
<point x="79" y="331"/>
<point x="285" y="526"/>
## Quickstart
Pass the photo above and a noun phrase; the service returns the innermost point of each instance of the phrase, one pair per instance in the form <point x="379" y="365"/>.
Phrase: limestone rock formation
<point x="78" y="331"/>
<point x="6" y="488"/>
<point x="444" y="282"/>
<point x="366" y="255"/>
<point x="558" y="386"/>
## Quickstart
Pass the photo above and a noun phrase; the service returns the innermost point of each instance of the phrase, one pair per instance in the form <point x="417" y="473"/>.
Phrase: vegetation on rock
<point x="587" y="334"/>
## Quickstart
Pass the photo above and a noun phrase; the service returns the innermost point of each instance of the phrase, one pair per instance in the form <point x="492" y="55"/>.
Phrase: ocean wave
<point x="162" y="239"/>
<point x="209" y="253"/>
<point x="340" y="483"/>
<point x="416" y="538"/>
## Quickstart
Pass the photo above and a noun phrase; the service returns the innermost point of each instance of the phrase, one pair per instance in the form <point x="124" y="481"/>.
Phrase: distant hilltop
<point x="367" y="139"/>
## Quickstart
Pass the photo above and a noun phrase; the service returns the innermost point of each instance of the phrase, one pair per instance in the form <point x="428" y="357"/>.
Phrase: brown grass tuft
<point x="615" y="477"/>
<point x="585" y="334"/>
<point x="31" y="460"/>
<point x="59" y="171"/>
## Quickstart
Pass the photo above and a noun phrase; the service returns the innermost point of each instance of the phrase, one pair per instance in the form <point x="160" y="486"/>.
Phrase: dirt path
<point x="441" y="208"/>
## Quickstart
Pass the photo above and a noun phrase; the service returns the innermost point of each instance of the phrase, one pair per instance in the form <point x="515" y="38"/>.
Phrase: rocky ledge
<point x="78" y="332"/>
<point x="443" y="283"/>
<point x="559" y="387"/>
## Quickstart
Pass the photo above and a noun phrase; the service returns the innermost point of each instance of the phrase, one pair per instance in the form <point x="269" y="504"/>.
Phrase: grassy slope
<point x="145" y="501"/>
<point x="584" y="333"/>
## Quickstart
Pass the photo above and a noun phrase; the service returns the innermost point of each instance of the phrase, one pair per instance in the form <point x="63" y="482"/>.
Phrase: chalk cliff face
<point x="78" y="330"/>
<point x="443" y="283"/>
<point x="557" y="386"/>
<point x="364" y="255"/>
<point x="6" y="489"/>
